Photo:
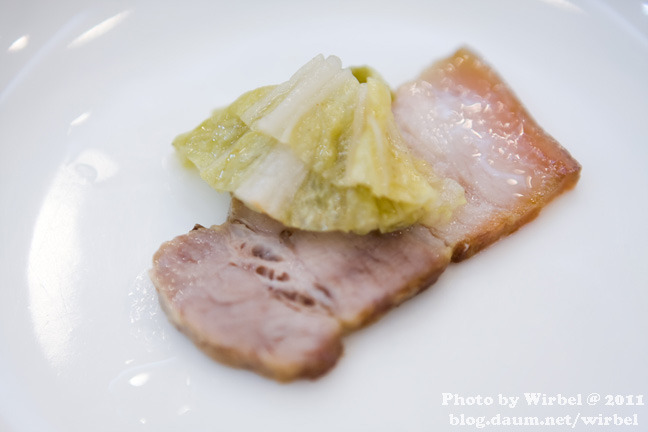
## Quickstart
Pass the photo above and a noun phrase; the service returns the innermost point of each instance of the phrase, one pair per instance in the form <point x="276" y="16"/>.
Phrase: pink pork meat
<point x="462" y="119"/>
<point x="257" y="295"/>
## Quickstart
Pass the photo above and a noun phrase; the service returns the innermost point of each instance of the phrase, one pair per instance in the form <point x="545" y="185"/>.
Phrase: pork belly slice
<point x="463" y="120"/>
<point x="257" y="295"/>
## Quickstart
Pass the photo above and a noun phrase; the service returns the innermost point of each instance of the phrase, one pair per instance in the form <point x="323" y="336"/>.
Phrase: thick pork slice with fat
<point x="255" y="294"/>
<point x="462" y="119"/>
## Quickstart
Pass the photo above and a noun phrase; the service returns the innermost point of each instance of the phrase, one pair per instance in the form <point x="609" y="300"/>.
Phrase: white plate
<point x="92" y="95"/>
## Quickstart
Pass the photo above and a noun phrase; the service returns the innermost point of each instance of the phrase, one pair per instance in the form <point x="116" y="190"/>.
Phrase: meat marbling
<point x="255" y="294"/>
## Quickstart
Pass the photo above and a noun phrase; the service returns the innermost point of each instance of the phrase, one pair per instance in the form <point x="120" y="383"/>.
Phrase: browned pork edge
<point x="465" y="70"/>
<point x="254" y="294"/>
<point x="471" y="71"/>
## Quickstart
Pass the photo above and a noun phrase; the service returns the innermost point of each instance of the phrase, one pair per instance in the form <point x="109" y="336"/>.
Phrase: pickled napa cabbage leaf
<point x="320" y="152"/>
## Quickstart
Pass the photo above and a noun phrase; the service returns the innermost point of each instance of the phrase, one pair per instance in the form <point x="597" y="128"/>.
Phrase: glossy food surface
<point x="464" y="120"/>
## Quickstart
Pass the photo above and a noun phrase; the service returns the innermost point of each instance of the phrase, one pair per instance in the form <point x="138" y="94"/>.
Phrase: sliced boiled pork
<point x="255" y="294"/>
<point x="462" y="119"/>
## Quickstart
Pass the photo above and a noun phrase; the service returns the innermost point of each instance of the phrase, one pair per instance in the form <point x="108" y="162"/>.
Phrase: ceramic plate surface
<point x="91" y="95"/>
